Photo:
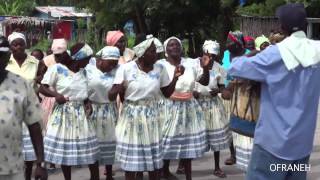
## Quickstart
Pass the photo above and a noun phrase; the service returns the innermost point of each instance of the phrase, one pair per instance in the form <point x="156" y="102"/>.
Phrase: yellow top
<point x="27" y="70"/>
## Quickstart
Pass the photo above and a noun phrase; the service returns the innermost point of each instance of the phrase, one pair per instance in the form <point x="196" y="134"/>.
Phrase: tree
<point x="191" y="19"/>
<point x="16" y="7"/>
<point x="58" y="2"/>
<point x="268" y="7"/>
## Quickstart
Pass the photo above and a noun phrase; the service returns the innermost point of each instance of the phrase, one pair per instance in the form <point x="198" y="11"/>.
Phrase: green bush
<point x="266" y="8"/>
<point x="131" y="41"/>
<point x="43" y="45"/>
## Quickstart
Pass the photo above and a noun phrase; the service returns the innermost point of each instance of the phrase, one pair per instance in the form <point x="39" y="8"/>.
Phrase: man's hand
<point x="40" y="173"/>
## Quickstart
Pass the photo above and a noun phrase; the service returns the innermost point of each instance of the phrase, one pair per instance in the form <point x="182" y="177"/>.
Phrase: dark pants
<point x="265" y="166"/>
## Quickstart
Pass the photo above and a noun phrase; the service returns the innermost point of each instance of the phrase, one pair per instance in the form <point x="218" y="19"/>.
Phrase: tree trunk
<point x="140" y="20"/>
<point x="227" y="25"/>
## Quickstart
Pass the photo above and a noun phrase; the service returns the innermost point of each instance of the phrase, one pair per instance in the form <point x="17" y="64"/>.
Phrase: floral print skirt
<point x="217" y="124"/>
<point x="138" y="135"/>
<point x="184" y="130"/>
<point x="71" y="137"/>
<point x="104" y="117"/>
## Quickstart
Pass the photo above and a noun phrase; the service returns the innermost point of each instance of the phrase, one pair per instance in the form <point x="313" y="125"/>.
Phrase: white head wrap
<point x="109" y="53"/>
<point x="59" y="46"/>
<point x="157" y="43"/>
<point x="167" y="41"/>
<point x="83" y="53"/>
<point x="260" y="40"/>
<point x="211" y="47"/>
<point x="141" y="48"/>
<point x="16" y="35"/>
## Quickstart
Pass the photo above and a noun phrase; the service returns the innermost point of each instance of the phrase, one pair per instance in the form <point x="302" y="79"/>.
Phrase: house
<point x="33" y="28"/>
<point x="46" y="22"/>
<point x="256" y="26"/>
<point x="67" y="19"/>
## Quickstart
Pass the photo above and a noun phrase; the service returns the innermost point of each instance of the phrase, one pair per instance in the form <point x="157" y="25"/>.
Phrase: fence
<point x="256" y="26"/>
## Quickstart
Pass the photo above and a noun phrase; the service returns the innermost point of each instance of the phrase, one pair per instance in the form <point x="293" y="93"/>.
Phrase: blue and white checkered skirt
<point x="70" y="138"/>
<point x="243" y="145"/>
<point x="227" y="106"/>
<point x="27" y="146"/>
<point x="104" y="117"/>
<point x="138" y="135"/>
<point x="217" y="124"/>
<point x="184" y="130"/>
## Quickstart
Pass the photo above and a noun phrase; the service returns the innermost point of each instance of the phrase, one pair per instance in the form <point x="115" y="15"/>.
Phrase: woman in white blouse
<point x="184" y="133"/>
<point x="71" y="137"/>
<point x="138" y="131"/>
<point x="217" y="122"/>
<point x="100" y="74"/>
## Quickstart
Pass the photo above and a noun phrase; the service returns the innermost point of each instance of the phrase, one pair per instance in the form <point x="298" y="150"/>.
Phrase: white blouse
<point x="99" y="83"/>
<point x="65" y="82"/>
<point x="217" y="77"/>
<point x="139" y="84"/>
<point x="192" y="73"/>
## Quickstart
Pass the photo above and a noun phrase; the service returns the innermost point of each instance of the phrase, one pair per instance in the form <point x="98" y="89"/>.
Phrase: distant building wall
<point x="256" y="26"/>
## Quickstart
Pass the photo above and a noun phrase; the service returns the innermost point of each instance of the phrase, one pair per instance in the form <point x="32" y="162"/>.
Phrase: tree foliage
<point x="58" y="2"/>
<point x="268" y="7"/>
<point x="191" y="19"/>
<point x="16" y="7"/>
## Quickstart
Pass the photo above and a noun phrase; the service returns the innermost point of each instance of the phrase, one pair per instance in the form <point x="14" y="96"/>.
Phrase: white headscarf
<point x="16" y="35"/>
<point x="141" y="48"/>
<point x="83" y="53"/>
<point x="157" y="43"/>
<point x="59" y="46"/>
<point x="109" y="53"/>
<point x="211" y="47"/>
<point x="167" y="41"/>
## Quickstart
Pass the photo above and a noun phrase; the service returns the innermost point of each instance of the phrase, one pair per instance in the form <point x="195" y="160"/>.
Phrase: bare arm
<point x="45" y="90"/>
<point x="204" y="80"/>
<point x="37" y="141"/>
<point x="115" y="90"/>
<point x="168" y="90"/>
<point x="205" y="61"/>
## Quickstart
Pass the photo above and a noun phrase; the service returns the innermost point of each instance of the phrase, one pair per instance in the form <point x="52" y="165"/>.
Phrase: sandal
<point x="219" y="173"/>
<point x="230" y="161"/>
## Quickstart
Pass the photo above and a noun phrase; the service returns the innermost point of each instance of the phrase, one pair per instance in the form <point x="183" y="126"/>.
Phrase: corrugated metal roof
<point x="62" y="11"/>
